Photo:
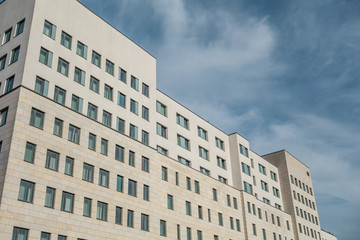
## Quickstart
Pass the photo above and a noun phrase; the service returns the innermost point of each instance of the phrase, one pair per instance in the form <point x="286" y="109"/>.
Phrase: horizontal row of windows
<point x="23" y="234"/>
<point x="304" y="229"/>
<point x="96" y="58"/>
<point x="19" y="28"/>
<point x="301" y="185"/>
<point x="14" y="57"/>
<point x="306" y="216"/>
<point x="249" y="189"/>
<point x="257" y="211"/>
<point x="264" y="233"/>
<point x="301" y="199"/>
<point x="184" y="122"/>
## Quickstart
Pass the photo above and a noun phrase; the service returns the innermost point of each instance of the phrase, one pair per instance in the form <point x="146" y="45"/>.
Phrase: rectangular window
<point x="203" y="153"/>
<point x="254" y="229"/>
<point x="146" y="192"/>
<point x="69" y="166"/>
<point x="238" y="225"/>
<point x="81" y="49"/>
<point x="45" y="236"/>
<point x="214" y="194"/>
<point x="276" y="192"/>
<point x="65" y="40"/>
<point x="106" y="119"/>
<point x="273" y="176"/>
<point x="182" y="121"/>
<point x="130" y="218"/>
<point x="145" y="164"/>
<point x="121" y="100"/>
<point x="134" y="106"/>
<point x="248" y="187"/>
<point x="101" y="213"/>
<point x="228" y="200"/>
<point x="118" y="215"/>
<point x="63" y="67"/>
<point x="119" y="183"/>
<point x="103" y="178"/>
<point x="220" y="218"/>
<point x="244" y="151"/>
<point x="36" y="118"/>
<point x="94" y="84"/>
<point x="231" y="223"/>
<point x="74" y="134"/>
<point x="170" y="202"/>
<point x="76" y="103"/>
<point x="41" y="86"/>
<point x="92" y="142"/>
<point x="133" y="132"/>
<point x="200" y="214"/>
<point x="262" y="169"/>
<point x="144" y="222"/>
<point x="7" y="36"/>
<point x="122" y="75"/>
<point x="221" y="162"/>
<point x="164" y="173"/>
<point x="197" y="187"/>
<point x="246" y="169"/>
<point x="104" y="147"/>
<point x="162" y="228"/>
<point x="109" y="67"/>
<point x="46" y="57"/>
<point x="15" y="55"/>
<point x="219" y="143"/>
<point x="162" y="150"/>
<point x="145" y="90"/>
<point x="222" y="179"/>
<point x="264" y="186"/>
<point x="120" y="125"/>
<point x="20" y="27"/>
<point x="67" y="202"/>
<point x="49" y="29"/>
<point x="132" y="188"/>
<point x="108" y="92"/>
<point x="119" y="153"/>
<point x="205" y="171"/>
<point x="202" y="133"/>
<point x="88" y="173"/>
<point x="92" y="111"/>
<point x="188" y="183"/>
<point x="29" y="152"/>
<point x="3" y="116"/>
<point x="59" y="95"/>
<point x="131" y="158"/>
<point x="20" y="234"/>
<point x="235" y="203"/>
<point x="183" y="142"/>
<point x="49" y="197"/>
<point x="184" y="161"/>
<point x="145" y="137"/>
<point x="161" y="108"/>
<point x="52" y="160"/>
<point x="79" y="76"/>
<point x="87" y="207"/>
<point x="96" y="59"/>
<point x="9" y="85"/>
<point x="145" y="113"/>
<point x="26" y="191"/>
<point x="161" y="130"/>
<point x="2" y="62"/>
<point x="134" y="83"/>
<point x="267" y="201"/>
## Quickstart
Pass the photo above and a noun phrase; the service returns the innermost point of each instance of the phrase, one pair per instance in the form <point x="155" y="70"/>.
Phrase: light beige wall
<point x="327" y="236"/>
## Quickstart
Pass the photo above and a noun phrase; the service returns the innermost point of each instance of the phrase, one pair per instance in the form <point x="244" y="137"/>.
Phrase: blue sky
<point x="284" y="74"/>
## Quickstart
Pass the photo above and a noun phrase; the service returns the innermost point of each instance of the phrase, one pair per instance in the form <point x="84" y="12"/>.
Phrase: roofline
<point x="284" y="150"/>
<point x="116" y="29"/>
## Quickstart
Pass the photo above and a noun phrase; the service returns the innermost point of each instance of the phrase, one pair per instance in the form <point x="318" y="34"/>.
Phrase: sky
<point x="283" y="74"/>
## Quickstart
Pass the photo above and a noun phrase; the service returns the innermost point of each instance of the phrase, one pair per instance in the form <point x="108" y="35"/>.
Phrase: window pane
<point x="52" y="160"/>
<point x="29" y="152"/>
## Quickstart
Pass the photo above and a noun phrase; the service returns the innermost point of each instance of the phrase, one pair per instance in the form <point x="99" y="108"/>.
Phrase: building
<point x="90" y="149"/>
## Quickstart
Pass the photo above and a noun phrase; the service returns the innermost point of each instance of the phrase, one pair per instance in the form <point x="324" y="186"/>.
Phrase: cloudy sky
<point x="284" y="74"/>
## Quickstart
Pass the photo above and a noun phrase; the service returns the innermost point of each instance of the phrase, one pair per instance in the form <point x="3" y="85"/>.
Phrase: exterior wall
<point x="37" y="218"/>
<point x="293" y="173"/>
<point x="327" y="236"/>
<point x="84" y="26"/>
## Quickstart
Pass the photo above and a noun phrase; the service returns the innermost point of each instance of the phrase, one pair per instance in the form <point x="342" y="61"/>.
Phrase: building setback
<point x="90" y="149"/>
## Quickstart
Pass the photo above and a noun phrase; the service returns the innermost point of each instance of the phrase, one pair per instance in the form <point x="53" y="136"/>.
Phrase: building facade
<point x="90" y="149"/>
